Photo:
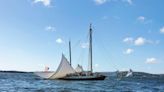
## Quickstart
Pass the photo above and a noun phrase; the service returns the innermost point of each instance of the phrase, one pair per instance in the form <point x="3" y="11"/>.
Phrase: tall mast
<point x="70" y="52"/>
<point x="90" y="47"/>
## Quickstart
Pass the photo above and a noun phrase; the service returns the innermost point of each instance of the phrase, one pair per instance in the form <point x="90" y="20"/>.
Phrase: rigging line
<point x="81" y="57"/>
<point x="79" y="42"/>
<point x="76" y="44"/>
<point x="82" y="51"/>
<point x="88" y="62"/>
<point x="107" y="57"/>
<point x="105" y="50"/>
<point x="103" y="46"/>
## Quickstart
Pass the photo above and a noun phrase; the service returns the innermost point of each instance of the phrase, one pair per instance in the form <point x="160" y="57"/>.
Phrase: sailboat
<point x="85" y="75"/>
<point x="66" y="72"/>
<point x="129" y="73"/>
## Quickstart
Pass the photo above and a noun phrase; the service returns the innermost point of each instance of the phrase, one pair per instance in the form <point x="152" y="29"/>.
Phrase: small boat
<point x="124" y="74"/>
<point x="129" y="73"/>
<point x="66" y="72"/>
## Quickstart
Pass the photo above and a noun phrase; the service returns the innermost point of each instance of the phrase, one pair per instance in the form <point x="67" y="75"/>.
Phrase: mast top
<point x="90" y="26"/>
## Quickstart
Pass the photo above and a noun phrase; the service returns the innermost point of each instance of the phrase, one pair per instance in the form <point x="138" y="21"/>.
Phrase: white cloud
<point x="140" y="41"/>
<point x="128" y="40"/>
<point x="44" y="2"/>
<point x="116" y="17"/>
<point x="59" y="40"/>
<point x="162" y="30"/>
<point x="84" y="45"/>
<point x="144" y="20"/>
<point x="141" y="18"/>
<point x="99" y="2"/>
<point x="96" y="65"/>
<point x="129" y="51"/>
<point x="157" y="42"/>
<point x="50" y="28"/>
<point x="151" y="61"/>
<point x="128" y="1"/>
<point x="105" y="17"/>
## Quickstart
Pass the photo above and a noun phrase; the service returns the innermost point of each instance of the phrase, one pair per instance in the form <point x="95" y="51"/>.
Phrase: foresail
<point x="79" y="68"/>
<point x="63" y="69"/>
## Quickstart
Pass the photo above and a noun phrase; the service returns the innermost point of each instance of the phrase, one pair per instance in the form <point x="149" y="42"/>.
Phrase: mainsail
<point x="63" y="69"/>
<point x="79" y="68"/>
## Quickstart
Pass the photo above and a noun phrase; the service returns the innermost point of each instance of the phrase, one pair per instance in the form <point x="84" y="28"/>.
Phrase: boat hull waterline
<point x="102" y="77"/>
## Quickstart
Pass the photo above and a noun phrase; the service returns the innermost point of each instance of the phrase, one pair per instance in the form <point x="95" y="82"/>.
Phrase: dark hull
<point x="84" y="78"/>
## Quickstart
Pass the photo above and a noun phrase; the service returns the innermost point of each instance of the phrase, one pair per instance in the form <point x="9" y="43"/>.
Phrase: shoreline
<point x="3" y="71"/>
<point x="13" y="71"/>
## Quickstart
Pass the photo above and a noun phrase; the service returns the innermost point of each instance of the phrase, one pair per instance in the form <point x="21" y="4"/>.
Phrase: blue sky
<point x="126" y="34"/>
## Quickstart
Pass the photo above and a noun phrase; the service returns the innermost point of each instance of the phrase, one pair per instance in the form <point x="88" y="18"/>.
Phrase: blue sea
<point x="28" y="82"/>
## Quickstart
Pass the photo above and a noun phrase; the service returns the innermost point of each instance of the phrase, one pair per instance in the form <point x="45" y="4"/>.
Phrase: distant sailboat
<point x="129" y="73"/>
<point x="124" y="74"/>
<point x="66" y="72"/>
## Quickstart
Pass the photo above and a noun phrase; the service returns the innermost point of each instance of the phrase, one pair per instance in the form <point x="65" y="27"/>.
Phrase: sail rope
<point x="81" y="57"/>
<point x="107" y="56"/>
<point x="77" y="45"/>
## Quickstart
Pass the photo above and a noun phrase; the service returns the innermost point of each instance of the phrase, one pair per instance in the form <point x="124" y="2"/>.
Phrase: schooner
<point x="66" y="72"/>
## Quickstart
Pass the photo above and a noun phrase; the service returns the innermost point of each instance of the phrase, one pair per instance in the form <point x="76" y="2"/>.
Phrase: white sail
<point x="63" y="69"/>
<point x="79" y="68"/>
<point x="129" y="73"/>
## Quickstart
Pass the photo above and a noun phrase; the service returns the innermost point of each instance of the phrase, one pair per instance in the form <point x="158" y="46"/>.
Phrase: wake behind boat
<point x="66" y="72"/>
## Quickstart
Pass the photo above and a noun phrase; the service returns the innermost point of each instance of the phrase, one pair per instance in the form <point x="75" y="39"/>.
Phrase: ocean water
<point x="28" y="82"/>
